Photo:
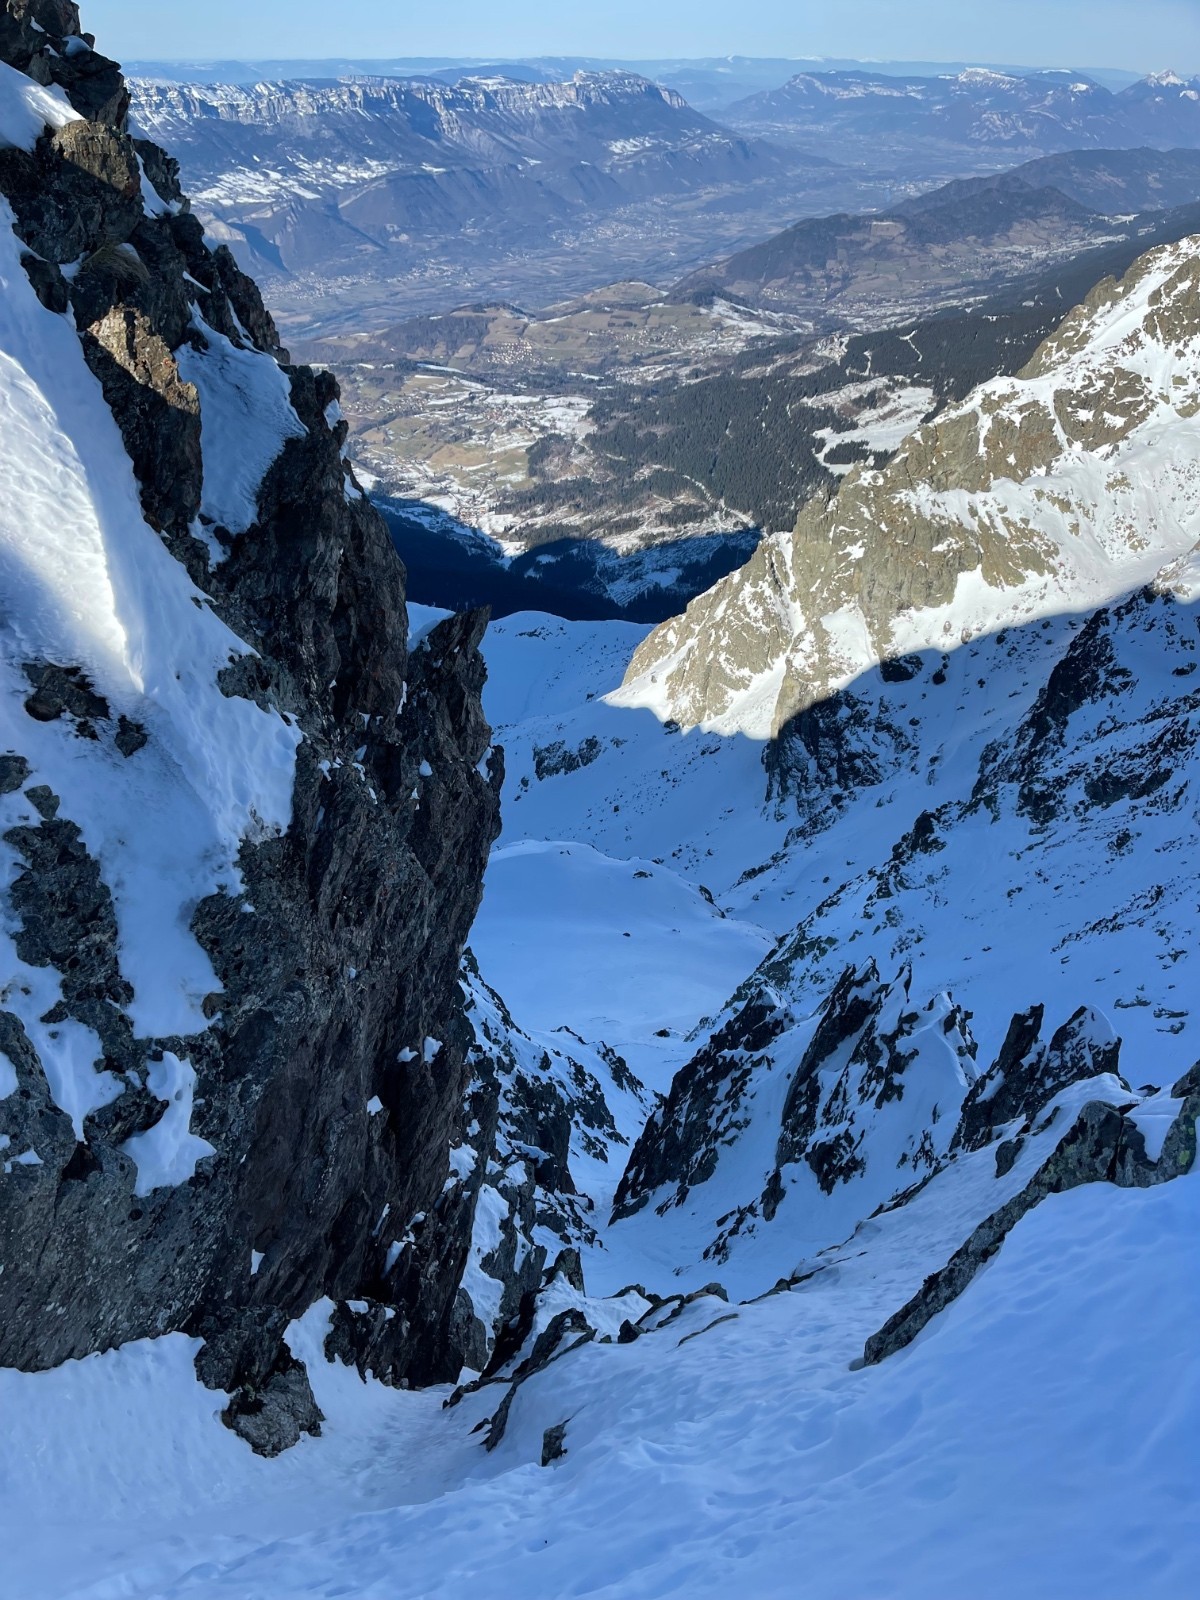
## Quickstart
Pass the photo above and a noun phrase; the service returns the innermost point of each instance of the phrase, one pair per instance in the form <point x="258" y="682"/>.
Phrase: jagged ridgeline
<point x="243" y="825"/>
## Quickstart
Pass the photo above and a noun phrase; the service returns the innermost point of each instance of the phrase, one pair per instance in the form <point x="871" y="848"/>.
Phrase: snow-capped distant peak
<point x="985" y="77"/>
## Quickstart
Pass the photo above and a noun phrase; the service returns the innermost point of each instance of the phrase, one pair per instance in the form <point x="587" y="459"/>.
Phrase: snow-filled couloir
<point x="793" y="1184"/>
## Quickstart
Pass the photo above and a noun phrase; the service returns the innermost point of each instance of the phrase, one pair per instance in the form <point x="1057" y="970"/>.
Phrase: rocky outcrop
<point x="1084" y="744"/>
<point x="1027" y="1074"/>
<point x="330" y="1082"/>
<point x="974" y="674"/>
<point x="1104" y="1145"/>
<point x="680" y="1145"/>
<point x="1022" y="502"/>
<point x="840" y="1112"/>
<point x="540" y="1116"/>
<point x="889" y="1046"/>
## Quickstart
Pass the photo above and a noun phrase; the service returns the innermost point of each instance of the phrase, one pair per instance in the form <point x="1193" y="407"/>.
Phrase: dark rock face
<point x="340" y="991"/>
<point x="1103" y="1146"/>
<point x="1027" y="1074"/>
<point x="271" y="1399"/>
<point x="553" y="1448"/>
<point x="681" y="1141"/>
<point x="1060" y="765"/>
<point x="876" y="1031"/>
<point x="852" y="1005"/>
<point x="833" y="746"/>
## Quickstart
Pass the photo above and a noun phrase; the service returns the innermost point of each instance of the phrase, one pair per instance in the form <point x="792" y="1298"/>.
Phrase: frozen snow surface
<point x="1039" y="1437"/>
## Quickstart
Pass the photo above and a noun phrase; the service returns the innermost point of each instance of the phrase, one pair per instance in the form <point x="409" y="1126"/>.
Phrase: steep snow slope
<point x="943" y="835"/>
<point x="86" y="581"/>
<point x="731" y="1457"/>
<point x="1040" y="1436"/>
<point x="583" y="766"/>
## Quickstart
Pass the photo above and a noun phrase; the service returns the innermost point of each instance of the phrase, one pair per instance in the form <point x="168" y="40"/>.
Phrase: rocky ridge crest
<point x="1069" y="485"/>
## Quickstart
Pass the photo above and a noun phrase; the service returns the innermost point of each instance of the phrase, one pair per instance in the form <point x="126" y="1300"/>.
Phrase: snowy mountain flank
<point x="971" y="674"/>
<point x="569" y="1108"/>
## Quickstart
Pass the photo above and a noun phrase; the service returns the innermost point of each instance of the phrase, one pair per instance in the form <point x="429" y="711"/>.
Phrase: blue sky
<point x="1140" y="34"/>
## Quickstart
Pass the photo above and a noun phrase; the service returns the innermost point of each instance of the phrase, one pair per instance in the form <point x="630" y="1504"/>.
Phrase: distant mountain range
<point x="370" y="198"/>
<point x="367" y="199"/>
<point x="710" y="83"/>
<point x="849" y="113"/>
<point x="331" y="173"/>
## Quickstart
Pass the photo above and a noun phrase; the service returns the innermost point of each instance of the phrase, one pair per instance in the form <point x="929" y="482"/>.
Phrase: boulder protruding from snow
<point x="1103" y="1145"/>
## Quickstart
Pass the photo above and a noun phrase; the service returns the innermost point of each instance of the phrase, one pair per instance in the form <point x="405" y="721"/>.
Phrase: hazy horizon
<point x="1066" y="34"/>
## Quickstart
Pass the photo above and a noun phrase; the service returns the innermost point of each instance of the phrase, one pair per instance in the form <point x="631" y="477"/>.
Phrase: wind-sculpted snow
<point x="87" y="582"/>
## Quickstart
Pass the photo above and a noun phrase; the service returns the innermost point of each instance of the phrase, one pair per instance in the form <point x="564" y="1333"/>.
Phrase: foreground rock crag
<point x="234" y="1050"/>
